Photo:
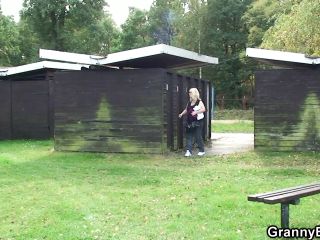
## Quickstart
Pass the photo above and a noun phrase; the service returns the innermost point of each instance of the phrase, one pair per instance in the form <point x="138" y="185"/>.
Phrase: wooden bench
<point x="285" y="197"/>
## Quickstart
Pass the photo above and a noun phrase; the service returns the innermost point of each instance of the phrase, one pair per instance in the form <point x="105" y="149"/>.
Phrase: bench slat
<point x="286" y="195"/>
<point x="292" y="196"/>
<point x="287" y="190"/>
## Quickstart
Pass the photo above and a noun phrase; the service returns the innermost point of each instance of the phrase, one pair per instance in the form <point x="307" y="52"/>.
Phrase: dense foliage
<point x="9" y="43"/>
<point x="136" y="30"/>
<point x="297" y="31"/>
<point x="220" y="28"/>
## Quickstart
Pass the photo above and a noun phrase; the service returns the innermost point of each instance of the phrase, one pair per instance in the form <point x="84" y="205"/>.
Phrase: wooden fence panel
<point x="116" y="111"/>
<point x="287" y="110"/>
<point x="30" y="114"/>
<point x="5" y="113"/>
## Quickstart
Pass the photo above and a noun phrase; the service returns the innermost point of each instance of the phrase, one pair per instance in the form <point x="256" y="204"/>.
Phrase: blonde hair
<point x="195" y="95"/>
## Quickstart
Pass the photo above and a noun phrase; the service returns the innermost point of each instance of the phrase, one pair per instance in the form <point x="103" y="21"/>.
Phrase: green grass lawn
<point x="53" y="195"/>
<point x="239" y="126"/>
<point x="229" y="114"/>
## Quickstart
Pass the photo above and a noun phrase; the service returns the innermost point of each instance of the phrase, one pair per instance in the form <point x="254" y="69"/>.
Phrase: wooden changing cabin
<point x="132" y="109"/>
<point x="287" y="102"/>
<point x="26" y="100"/>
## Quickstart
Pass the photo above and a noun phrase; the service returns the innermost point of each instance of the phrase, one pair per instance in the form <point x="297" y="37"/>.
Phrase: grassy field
<point x="233" y="121"/>
<point x="229" y="114"/>
<point x="237" y="126"/>
<point x="53" y="195"/>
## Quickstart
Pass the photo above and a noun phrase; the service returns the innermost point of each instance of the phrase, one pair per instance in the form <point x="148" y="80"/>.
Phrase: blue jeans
<point x="196" y="134"/>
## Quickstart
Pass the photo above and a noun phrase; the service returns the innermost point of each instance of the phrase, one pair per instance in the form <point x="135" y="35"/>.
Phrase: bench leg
<point x="284" y="215"/>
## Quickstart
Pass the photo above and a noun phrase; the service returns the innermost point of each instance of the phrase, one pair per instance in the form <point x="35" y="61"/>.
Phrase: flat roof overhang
<point x="282" y="58"/>
<point x="40" y="65"/>
<point x="157" y="56"/>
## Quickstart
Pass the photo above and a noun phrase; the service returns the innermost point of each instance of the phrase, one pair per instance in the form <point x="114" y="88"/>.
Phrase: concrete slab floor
<point x="228" y="143"/>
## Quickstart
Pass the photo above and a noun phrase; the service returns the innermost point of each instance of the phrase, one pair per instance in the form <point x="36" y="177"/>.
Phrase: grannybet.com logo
<point x="307" y="233"/>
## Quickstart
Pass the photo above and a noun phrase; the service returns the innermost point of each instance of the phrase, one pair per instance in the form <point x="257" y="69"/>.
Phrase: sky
<point x="119" y="9"/>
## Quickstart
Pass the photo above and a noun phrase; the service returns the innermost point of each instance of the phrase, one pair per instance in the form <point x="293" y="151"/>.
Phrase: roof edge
<point x="283" y="56"/>
<point x="114" y="58"/>
<point x="40" y="65"/>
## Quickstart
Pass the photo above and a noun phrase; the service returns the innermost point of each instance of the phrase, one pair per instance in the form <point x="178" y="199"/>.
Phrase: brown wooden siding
<point x="30" y="109"/>
<point x="287" y="110"/>
<point x="120" y="111"/>
<point x="116" y="111"/>
<point x="181" y="105"/>
<point x="178" y="98"/>
<point x="27" y="113"/>
<point x="5" y="106"/>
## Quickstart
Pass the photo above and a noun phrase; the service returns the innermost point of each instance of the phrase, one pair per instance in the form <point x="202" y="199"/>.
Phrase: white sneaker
<point x="201" y="153"/>
<point x="188" y="154"/>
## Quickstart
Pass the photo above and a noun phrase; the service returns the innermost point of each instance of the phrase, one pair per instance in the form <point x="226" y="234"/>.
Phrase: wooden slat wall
<point x="175" y="104"/>
<point x="30" y="112"/>
<point x="109" y="111"/>
<point x="205" y="98"/>
<point x="287" y="110"/>
<point x="81" y="124"/>
<point x="166" y="107"/>
<point x="174" y="107"/>
<point x="179" y="98"/>
<point x="50" y="80"/>
<point x="5" y="106"/>
<point x="209" y="108"/>
<point x="180" y="106"/>
<point x="184" y="98"/>
<point x="25" y="111"/>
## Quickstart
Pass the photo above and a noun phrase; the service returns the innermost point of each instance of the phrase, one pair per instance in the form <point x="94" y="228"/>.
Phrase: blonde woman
<point x="194" y="125"/>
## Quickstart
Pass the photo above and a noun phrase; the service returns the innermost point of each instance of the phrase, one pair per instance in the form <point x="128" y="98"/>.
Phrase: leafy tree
<point x="258" y="19"/>
<point x="190" y="30"/>
<point x="55" y="21"/>
<point x="225" y="38"/>
<point x="96" y="38"/>
<point x="163" y="18"/>
<point x="297" y="31"/>
<point x="9" y="47"/>
<point x="136" y="30"/>
<point x="191" y="25"/>
<point x="28" y="43"/>
<point x="262" y="15"/>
